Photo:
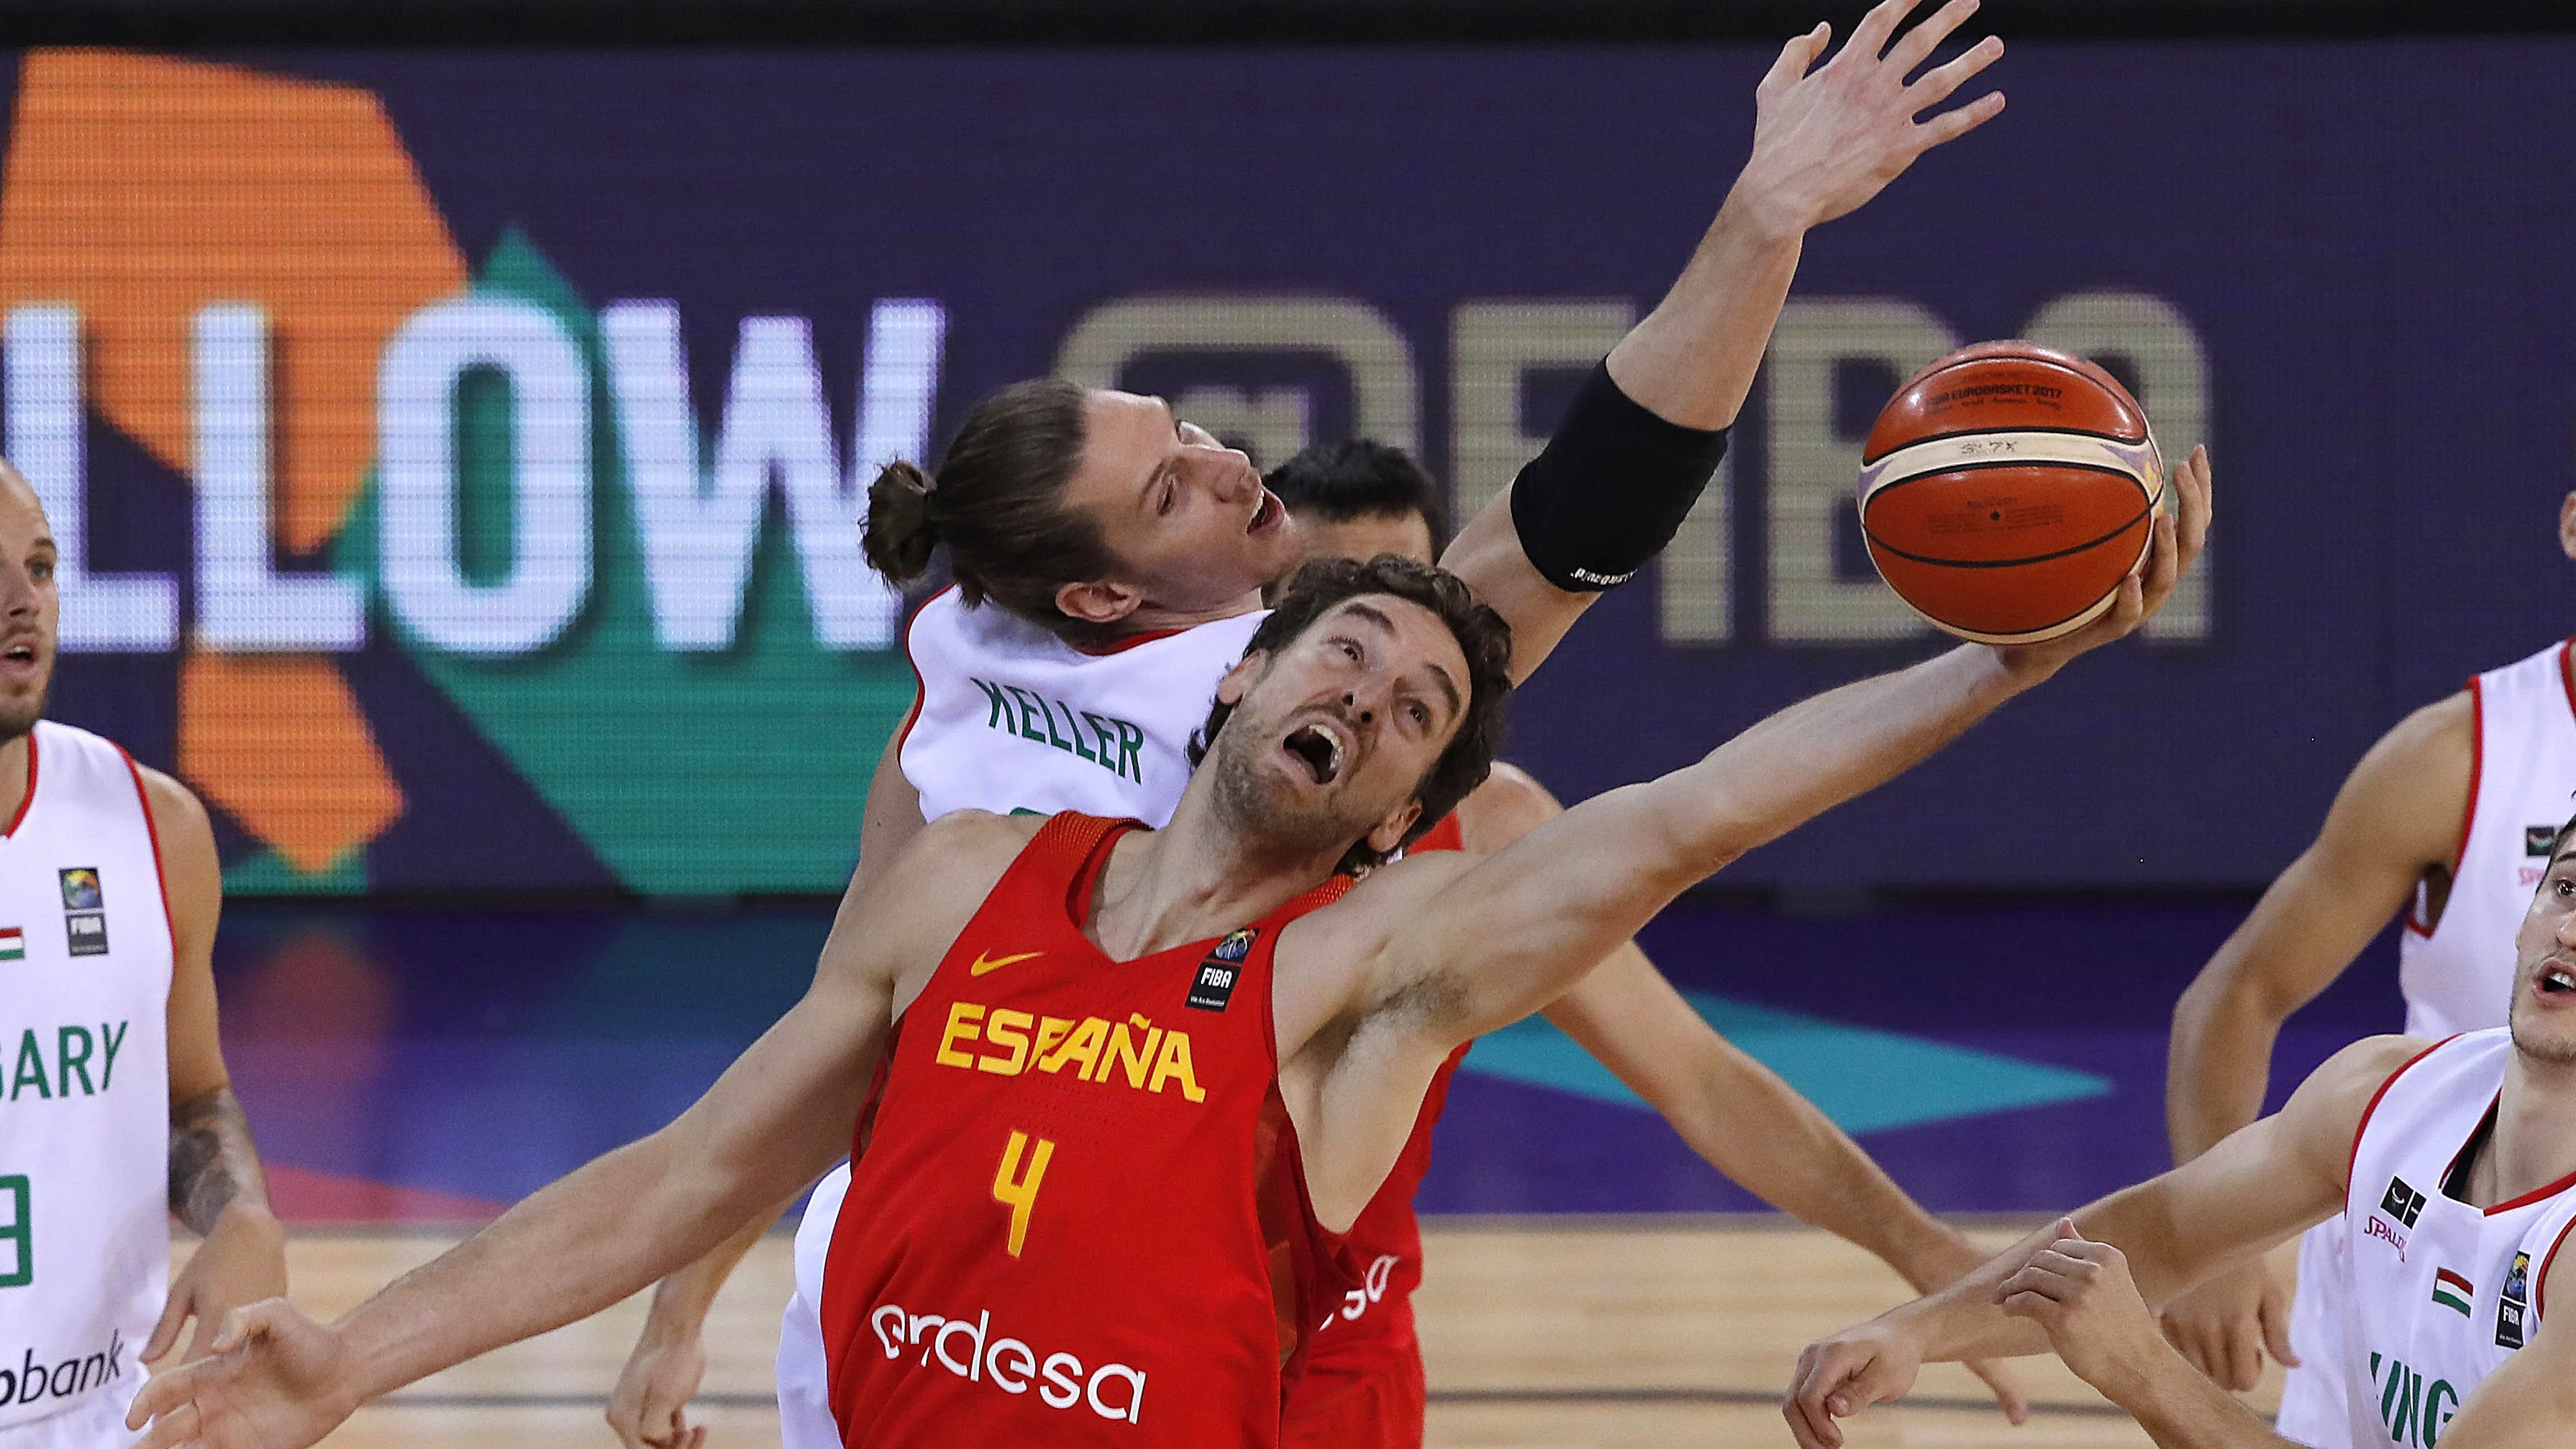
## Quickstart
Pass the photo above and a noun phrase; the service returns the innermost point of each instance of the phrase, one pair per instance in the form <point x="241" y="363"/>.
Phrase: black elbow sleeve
<point x="1610" y="489"/>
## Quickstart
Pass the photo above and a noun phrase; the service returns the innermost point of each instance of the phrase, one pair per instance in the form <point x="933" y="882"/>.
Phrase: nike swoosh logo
<point x="985" y="962"/>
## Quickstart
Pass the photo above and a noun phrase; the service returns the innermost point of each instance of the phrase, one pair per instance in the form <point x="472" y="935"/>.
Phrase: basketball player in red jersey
<point x="1111" y="1068"/>
<point x="1363" y="1383"/>
<point x="2450" y="812"/>
<point x="1100" y="519"/>
<point x="118" y="1112"/>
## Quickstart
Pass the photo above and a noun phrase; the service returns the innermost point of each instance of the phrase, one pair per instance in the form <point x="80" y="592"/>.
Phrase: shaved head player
<point x="115" y="1112"/>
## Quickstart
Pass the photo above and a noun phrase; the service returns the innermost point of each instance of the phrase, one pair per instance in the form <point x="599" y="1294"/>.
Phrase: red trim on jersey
<point x="2566" y="681"/>
<point x="160" y="874"/>
<point x="920" y="691"/>
<point x="2355" y="1157"/>
<point x="1448" y="834"/>
<point x="2540" y="1285"/>
<point x="30" y="797"/>
<point x="2469" y="811"/>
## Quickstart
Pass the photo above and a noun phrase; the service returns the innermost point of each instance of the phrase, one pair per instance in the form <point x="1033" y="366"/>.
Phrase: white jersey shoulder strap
<point x="2457" y="972"/>
<point x="85" y="963"/>
<point x="1013" y="718"/>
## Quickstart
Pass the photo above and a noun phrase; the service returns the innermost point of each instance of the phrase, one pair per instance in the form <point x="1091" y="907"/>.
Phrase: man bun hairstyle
<point x="1482" y="635"/>
<point x="997" y="502"/>
<point x="1361" y="478"/>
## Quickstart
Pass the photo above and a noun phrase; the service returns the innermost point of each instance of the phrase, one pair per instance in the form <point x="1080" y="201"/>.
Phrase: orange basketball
<point x="2007" y="489"/>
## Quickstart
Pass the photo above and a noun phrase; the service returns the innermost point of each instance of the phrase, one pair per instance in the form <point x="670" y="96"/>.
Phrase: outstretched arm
<point x="2257" y="1188"/>
<point x="648" y="1407"/>
<point x="1624" y="470"/>
<point x="1505" y="934"/>
<point x="780" y="1114"/>
<point x="2396" y="821"/>
<point x="1444" y="948"/>
<point x="1735" y="1112"/>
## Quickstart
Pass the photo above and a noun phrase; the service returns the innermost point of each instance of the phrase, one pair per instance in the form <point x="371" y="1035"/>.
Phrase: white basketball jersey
<point x="2441" y="1292"/>
<point x="85" y="1102"/>
<point x="2458" y="976"/>
<point x="1013" y="718"/>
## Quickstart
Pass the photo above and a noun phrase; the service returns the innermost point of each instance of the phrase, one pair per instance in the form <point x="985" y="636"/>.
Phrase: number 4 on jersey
<point x="1016" y="1190"/>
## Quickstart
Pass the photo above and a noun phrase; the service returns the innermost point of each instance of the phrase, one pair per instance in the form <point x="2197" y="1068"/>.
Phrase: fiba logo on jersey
<point x="84" y="911"/>
<point x="1213" y="987"/>
<point x="2513" y="1301"/>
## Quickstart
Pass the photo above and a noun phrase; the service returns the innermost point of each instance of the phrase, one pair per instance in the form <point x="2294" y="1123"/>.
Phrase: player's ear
<point x="2567" y="526"/>
<point x="1230" y="690"/>
<point x="1098" y="603"/>
<point x="1390" y="832"/>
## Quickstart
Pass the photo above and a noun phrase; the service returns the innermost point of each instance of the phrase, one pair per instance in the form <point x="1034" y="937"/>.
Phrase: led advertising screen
<point x="457" y="456"/>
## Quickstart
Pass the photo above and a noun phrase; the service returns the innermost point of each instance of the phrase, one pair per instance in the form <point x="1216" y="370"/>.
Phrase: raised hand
<point x="272" y="1383"/>
<point x="1827" y="139"/>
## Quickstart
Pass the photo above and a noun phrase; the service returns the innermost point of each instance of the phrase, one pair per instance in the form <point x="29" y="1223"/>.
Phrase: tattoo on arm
<point x="211" y="1159"/>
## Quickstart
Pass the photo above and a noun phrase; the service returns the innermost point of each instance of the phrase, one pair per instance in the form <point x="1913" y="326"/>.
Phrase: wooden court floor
<point x="1565" y="1333"/>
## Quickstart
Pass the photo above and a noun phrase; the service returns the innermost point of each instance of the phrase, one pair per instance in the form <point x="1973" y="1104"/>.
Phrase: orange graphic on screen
<point x="140" y="190"/>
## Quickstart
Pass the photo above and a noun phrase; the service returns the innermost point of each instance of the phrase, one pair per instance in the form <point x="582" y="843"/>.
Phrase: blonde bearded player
<point x="1140" y="560"/>
<point x="2453" y="809"/>
<point x="115" y="1111"/>
<point x="2447" y="1170"/>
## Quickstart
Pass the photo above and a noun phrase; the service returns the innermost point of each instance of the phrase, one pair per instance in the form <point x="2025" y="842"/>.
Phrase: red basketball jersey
<point x="1078" y="1215"/>
<point x="1384" y="1246"/>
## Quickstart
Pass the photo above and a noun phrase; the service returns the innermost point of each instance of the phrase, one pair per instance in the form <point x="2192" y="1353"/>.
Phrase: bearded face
<point x="1334" y="733"/>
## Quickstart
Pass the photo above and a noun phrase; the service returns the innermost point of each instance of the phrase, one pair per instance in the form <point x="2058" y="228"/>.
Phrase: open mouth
<point x="1265" y="513"/>
<point x="19" y="654"/>
<point x="2557" y="981"/>
<point x="1318" y="749"/>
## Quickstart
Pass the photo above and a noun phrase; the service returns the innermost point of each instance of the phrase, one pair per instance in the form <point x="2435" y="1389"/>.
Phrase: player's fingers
<point x="201" y="1342"/>
<point x="1935" y="85"/>
<point x="2195" y="506"/>
<point x="171" y="1430"/>
<point x="1949" y="126"/>
<point x="1917" y="45"/>
<point x="166" y="1332"/>
<point x="1809" y="1414"/>
<point x="2007" y="1388"/>
<point x="2272" y="1314"/>
<point x="1869" y="38"/>
<point x="2244" y="1356"/>
<point x="1796" y="58"/>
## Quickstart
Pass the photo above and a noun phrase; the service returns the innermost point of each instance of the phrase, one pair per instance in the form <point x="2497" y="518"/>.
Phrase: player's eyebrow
<point x="1145" y="494"/>
<point x="1439" y="673"/>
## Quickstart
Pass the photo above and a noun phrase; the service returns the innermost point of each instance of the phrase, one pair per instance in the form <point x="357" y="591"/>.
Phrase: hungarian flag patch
<point x="13" y="944"/>
<point x="2453" y="1291"/>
